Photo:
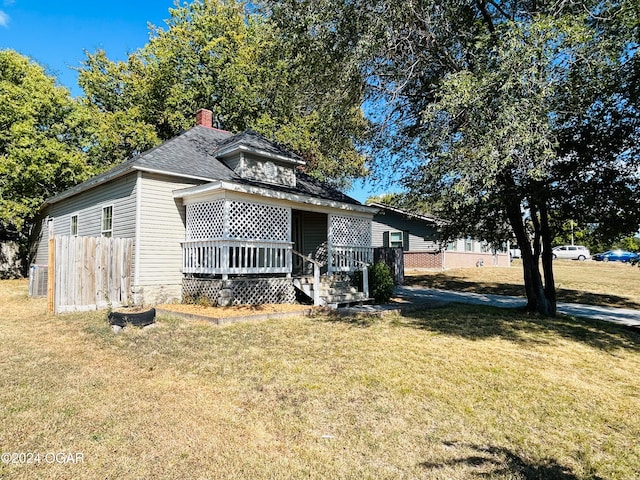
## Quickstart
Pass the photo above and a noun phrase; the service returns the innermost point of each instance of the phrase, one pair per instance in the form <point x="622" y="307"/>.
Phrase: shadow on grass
<point x="356" y="320"/>
<point x="445" y="282"/>
<point x="476" y="322"/>
<point x="499" y="461"/>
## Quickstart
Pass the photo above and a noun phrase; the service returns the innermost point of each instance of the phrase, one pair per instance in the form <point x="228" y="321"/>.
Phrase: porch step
<point x="334" y="292"/>
<point x="357" y="300"/>
<point x="305" y="286"/>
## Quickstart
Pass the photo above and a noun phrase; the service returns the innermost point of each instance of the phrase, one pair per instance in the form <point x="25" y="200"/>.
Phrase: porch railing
<point x="236" y="257"/>
<point x="347" y="258"/>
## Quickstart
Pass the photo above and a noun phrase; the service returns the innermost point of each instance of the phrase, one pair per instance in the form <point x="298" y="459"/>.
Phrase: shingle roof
<point x="406" y="213"/>
<point x="254" y="140"/>
<point x="192" y="154"/>
<point x="189" y="154"/>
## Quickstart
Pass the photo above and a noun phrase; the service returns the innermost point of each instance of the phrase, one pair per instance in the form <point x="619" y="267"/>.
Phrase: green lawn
<point x="449" y="393"/>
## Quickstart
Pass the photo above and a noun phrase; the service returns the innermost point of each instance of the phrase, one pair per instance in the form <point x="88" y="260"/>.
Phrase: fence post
<point x="51" y="275"/>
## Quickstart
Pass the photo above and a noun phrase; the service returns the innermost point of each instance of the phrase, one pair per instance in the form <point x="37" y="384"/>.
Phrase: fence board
<point x="89" y="273"/>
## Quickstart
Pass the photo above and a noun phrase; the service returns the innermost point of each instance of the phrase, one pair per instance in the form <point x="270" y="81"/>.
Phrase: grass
<point x="593" y="283"/>
<point x="451" y="393"/>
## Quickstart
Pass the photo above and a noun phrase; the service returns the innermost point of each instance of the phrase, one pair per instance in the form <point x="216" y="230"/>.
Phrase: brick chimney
<point x="204" y="117"/>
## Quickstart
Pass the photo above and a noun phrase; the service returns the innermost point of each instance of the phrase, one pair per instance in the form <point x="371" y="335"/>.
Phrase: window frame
<point x="106" y="232"/>
<point x="73" y="226"/>
<point x="398" y="243"/>
<point x="468" y="245"/>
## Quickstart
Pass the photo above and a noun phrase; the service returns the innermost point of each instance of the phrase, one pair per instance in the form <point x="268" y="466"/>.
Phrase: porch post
<point x="316" y="284"/>
<point x="365" y="280"/>
<point x="329" y="245"/>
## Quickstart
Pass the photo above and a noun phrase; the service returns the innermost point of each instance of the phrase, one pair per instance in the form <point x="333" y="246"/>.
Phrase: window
<point x="107" y="221"/>
<point x="452" y="246"/>
<point x="468" y="245"/>
<point x="73" y="230"/>
<point x="395" y="239"/>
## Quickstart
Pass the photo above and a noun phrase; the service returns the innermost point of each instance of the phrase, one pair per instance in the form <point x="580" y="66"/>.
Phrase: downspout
<point x="136" y="263"/>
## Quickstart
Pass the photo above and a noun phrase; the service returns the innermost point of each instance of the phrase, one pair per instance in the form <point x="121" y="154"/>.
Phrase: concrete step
<point x="337" y="291"/>
<point x="345" y="297"/>
<point x="351" y="303"/>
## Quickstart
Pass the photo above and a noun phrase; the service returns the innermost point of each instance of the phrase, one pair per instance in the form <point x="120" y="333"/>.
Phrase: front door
<point x="296" y="238"/>
<point x="309" y="237"/>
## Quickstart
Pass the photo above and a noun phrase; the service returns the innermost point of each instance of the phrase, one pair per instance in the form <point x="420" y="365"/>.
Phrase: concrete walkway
<point x="416" y="295"/>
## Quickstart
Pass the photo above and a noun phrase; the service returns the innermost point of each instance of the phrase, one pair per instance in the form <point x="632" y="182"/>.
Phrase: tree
<point x="41" y="142"/>
<point x="217" y="54"/>
<point x="511" y="117"/>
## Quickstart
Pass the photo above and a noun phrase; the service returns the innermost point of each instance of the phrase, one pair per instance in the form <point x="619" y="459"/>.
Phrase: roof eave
<point x="112" y="175"/>
<point x="232" y="150"/>
<point x="406" y="213"/>
<point x="90" y="183"/>
<point x="269" y="193"/>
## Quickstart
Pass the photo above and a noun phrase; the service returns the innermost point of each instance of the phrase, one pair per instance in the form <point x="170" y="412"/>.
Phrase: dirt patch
<point x="235" y="311"/>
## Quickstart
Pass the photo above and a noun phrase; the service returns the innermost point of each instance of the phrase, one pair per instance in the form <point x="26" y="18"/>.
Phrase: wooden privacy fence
<point x="88" y="273"/>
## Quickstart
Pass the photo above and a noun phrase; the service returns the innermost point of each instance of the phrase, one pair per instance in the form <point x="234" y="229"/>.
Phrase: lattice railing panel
<point x="205" y="220"/>
<point x="350" y="231"/>
<point x="258" y="222"/>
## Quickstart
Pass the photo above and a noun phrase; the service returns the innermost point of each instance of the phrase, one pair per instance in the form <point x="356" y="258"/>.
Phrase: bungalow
<point x="219" y="215"/>
<point x="417" y="234"/>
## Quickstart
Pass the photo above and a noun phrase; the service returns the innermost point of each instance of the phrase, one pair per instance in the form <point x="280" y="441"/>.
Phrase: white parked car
<point x="571" y="252"/>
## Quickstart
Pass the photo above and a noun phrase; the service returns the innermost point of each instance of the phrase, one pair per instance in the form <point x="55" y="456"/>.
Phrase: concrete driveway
<point x="417" y="294"/>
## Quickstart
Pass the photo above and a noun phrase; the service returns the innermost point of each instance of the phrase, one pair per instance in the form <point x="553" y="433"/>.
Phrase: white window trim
<point x="391" y="241"/>
<point x="468" y="245"/>
<point x="102" y="229"/>
<point x="71" y="217"/>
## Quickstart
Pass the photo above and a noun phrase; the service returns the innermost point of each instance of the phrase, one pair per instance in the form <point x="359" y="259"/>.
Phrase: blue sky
<point x="55" y="34"/>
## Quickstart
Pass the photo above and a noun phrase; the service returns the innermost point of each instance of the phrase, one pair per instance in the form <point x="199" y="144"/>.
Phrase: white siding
<point x="120" y="193"/>
<point x="463" y="244"/>
<point x="162" y="229"/>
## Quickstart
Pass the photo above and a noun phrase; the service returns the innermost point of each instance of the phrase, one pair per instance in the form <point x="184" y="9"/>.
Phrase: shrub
<point x="380" y="282"/>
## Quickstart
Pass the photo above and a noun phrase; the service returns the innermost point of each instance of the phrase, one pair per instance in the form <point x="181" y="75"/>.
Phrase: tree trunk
<point x="538" y="300"/>
<point x="547" y="261"/>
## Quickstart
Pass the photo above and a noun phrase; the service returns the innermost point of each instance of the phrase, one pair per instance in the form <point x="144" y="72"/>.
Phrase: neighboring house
<point x="418" y="236"/>
<point x="218" y="215"/>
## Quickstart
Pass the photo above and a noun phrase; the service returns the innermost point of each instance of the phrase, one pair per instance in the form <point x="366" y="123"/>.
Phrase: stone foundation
<point x="238" y="291"/>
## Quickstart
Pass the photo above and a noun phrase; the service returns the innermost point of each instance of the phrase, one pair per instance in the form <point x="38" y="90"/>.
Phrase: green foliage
<point x="380" y="282"/>
<point x="632" y="244"/>
<point x="216" y="54"/>
<point x="492" y="109"/>
<point x="42" y="140"/>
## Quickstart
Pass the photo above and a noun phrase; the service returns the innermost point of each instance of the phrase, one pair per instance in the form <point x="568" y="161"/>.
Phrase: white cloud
<point x="4" y="19"/>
